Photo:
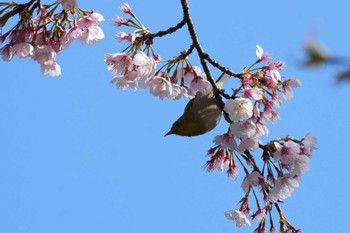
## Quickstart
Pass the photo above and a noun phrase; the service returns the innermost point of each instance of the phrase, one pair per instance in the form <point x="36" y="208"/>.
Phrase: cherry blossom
<point x="238" y="217"/>
<point x="160" y="87"/>
<point x="283" y="188"/>
<point x="122" y="82"/>
<point x="239" y="109"/>
<point x="243" y="129"/>
<point x="119" y="21"/>
<point x="226" y="140"/>
<point x="50" y="67"/>
<point x="146" y="67"/>
<point x="287" y="152"/>
<point x="127" y="9"/>
<point x="43" y="32"/>
<point x="261" y="55"/>
<point x="253" y="179"/>
<point x="251" y="144"/>
<point x="44" y="53"/>
<point x="22" y="50"/>
<point x="118" y="63"/>
<point x="90" y="31"/>
<point x="299" y="165"/>
<point x="255" y="93"/>
<point x="6" y="53"/>
<point x="288" y="86"/>
<point x="69" y="4"/>
<point x="309" y="143"/>
<point x="130" y="37"/>
<point x="232" y="171"/>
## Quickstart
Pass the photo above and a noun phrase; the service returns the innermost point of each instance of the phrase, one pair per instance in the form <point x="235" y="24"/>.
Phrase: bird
<point x="201" y="114"/>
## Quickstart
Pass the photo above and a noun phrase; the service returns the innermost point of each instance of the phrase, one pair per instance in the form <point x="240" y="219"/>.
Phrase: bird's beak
<point x="168" y="133"/>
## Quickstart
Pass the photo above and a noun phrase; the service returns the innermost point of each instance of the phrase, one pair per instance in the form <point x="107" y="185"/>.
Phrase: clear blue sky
<point x="78" y="155"/>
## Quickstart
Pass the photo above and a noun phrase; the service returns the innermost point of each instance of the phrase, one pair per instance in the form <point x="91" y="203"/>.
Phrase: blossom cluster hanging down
<point x="42" y="32"/>
<point x="136" y="67"/>
<point x="254" y="105"/>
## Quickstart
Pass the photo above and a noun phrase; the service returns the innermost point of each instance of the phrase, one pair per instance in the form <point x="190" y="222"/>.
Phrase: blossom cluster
<point x="136" y="67"/>
<point x="285" y="160"/>
<point x="252" y="106"/>
<point x="42" y="33"/>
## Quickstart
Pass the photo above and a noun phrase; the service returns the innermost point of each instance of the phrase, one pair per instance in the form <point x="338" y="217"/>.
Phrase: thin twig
<point x="169" y="30"/>
<point x="220" y="67"/>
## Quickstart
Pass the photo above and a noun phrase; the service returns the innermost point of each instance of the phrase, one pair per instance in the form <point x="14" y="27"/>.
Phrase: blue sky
<point x="78" y="155"/>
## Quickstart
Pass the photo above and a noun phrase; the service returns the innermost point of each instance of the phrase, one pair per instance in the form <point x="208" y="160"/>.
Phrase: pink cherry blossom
<point x="91" y="35"/>
<point x="299" y="165"/>
<point x="189" y="74"/>
<point x="119" y="21"/>
<point x="276" y="100"/>
<point x="222" y="162"/>
<point x="252" y="179"/>
<point x="50" y="67"/>
<point x="238" y="217"/>
<point x="69" y="4"/>
<point x="69" y="36"/>
<point x="261" y="129"/>
<point x="6" y="53"/>
<point x="261" y="55"/>
<point x="243" y="130"/>
<point x="309" y="142"/>
<point x="220" y="159"/>
<point x="161" y="87"/>
<point x="287" y="152"/>
<point x="127" y="9"/>
<point x="90" y="31"/>
<point x="226" y="140"/>
<point x="178" y="92"/>
<point x="118" y="63"/>
<point x="232" y="171"/>
<point x="146" y="67"/>
<point x="255" y="93"/>
<point x="275" y="75"/>
<point x="251" y="144"/>
<point x="239" y="109"/>
<point x="269" y="116"/>
<point x="260" y="214"/>
<point x="126" y="36"/>
<point x="122" y="82"/>
<point x="22" y="50"/>
<point x="44" y="53"/>
<point x="199" y="83"/>
<point x="288" y="86"/>
<point x="283" y="188"/>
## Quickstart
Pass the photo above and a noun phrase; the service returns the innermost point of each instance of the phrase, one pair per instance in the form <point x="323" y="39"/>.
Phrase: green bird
<point x="201" y="114"/>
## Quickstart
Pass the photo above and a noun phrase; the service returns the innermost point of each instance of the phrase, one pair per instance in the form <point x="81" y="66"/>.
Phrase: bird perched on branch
<point x="201" y="114"/>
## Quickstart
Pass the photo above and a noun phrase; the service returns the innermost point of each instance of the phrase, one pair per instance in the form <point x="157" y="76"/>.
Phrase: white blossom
<point x="239" y="109"/>
<point x="283" y="188"/>
<point x="253" y="179"/>
<point x="238" y="217"/>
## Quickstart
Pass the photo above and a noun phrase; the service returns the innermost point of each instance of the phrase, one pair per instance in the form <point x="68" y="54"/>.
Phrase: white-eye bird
<point x="201" y="114"/>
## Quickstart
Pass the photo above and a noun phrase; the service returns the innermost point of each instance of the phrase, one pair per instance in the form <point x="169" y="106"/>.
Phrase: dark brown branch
<point x="220" y="67"/>
<point x="201" y="54"/>
<point x="169" y="30"/>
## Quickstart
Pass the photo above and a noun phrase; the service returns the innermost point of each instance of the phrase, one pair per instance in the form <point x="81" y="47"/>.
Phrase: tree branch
<point x="169" y="30"/>
<point x="201" y="54"/>
<point x="220" y="67"/>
